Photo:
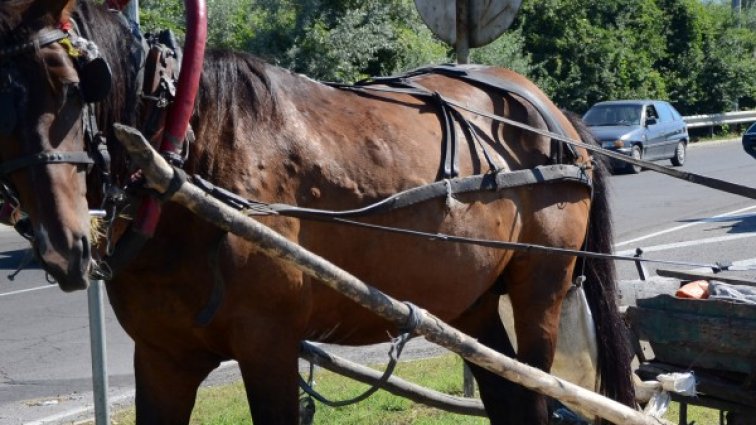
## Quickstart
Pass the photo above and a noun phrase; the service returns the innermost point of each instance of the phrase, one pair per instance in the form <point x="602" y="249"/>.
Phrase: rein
<point x="44" y="39"/>
<point x="509" y="180"/>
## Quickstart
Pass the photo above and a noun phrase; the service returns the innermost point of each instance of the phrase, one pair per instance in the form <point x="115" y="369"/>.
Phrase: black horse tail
<point x="614" y="355"/>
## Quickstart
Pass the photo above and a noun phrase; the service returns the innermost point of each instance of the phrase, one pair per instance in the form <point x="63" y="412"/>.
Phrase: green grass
<point x="227" y="404"/>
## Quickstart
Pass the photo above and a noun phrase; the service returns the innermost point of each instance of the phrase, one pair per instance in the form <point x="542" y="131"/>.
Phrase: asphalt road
<point x="44" y="341"/>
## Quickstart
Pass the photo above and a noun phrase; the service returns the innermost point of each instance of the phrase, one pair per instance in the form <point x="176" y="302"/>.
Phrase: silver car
<point x="643" y="129"/>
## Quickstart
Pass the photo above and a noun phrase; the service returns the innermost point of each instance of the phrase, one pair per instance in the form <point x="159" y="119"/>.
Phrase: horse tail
<point x="614" y="370"/>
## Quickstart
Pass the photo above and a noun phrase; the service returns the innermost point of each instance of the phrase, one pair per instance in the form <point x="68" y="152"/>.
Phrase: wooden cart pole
<point x="394" y="384"/>
<point x="159" y="175"/>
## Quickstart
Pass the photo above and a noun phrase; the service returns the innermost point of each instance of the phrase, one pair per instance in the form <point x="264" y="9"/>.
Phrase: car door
<point x="654" y="133"/>
<point x="672" y="131"/>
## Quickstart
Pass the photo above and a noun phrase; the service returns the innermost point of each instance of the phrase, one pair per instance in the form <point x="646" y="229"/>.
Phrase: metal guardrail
<point x="738" y="117"/>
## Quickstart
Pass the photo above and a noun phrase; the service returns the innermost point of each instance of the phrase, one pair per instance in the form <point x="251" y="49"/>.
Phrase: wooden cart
<point x="715" y="339"/>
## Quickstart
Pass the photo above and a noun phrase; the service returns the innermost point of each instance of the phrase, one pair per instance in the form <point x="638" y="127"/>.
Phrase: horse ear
<point x="59" y="10"/>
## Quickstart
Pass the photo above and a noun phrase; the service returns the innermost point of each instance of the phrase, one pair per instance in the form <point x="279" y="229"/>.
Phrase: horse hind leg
<point x="500" y="397"/>
<point x="536" y="288"/>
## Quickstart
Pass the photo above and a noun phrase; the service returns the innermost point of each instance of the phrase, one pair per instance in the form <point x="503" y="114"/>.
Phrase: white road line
<point x="684" y="226"/>
<point x="88" y="409"/>
<point x="675" y="245"/>
<point x="21" y="291"/>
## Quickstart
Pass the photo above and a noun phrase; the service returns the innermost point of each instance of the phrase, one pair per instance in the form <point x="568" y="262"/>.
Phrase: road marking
<point x="88" y="409"/>
<point x="664" y="247"/>
<point x="683" y="226"/>
<point x="21" y="291"/>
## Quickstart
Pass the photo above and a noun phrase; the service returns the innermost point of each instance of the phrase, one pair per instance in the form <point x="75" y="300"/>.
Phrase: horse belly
<point x="444" y="278"/>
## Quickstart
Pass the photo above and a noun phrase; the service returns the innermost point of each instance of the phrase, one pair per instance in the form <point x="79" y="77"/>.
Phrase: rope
<point x="527" y="247"/>
<point x="395" y="351"/>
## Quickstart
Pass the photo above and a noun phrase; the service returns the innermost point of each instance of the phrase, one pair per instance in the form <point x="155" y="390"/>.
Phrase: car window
<point x="665" y="115"/>
<point x="651" y="112"/>
<point x="752" y="128"/>
<point x="676" y="115"/>
<point x="611" y="115"/>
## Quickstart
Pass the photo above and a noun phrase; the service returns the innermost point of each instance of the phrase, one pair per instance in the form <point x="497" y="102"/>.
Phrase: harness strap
<point x="49" y="157"/>
<point x="44" y="39"/>
<point x="397" y="345"/>
<point x="473" y="75"/>
<point x="478" y="183"/>
<point x="205" y="316"/>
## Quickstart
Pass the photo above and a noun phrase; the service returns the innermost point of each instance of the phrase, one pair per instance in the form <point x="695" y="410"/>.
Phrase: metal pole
<point x="462" y="45"/>
<point x="132" y="11"/>
<point x="99" y="355"/>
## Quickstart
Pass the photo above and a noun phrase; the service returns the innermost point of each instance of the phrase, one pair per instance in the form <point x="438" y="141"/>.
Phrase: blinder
<point x="96" y="80"/>
<point x="95" y="76"/>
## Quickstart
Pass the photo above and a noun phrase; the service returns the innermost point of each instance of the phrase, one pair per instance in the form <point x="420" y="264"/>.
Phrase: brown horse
<point x="274" y="136"/>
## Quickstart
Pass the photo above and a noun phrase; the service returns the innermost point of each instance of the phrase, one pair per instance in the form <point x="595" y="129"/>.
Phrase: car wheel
<point x="679" y="159"/>
<point x="636" y="153"/>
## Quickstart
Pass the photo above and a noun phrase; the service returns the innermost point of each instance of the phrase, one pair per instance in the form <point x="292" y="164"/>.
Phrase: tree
<point x="336" y="40"/>
<point x="590" y="50"/>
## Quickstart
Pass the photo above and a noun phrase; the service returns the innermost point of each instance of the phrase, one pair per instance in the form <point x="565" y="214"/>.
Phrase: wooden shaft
<point x="394" y="385"/>
<point x="158" y="174"/>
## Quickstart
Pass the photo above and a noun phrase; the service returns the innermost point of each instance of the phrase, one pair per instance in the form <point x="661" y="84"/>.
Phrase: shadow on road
<point x="10" y="260"/>
<point x="745" y="223"/>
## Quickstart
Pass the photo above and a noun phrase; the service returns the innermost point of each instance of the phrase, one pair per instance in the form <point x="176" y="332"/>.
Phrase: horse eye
<point x="71" y="90"/>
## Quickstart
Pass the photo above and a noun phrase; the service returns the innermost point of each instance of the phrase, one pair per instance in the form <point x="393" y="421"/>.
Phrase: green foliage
<point x="697" y="54"/>
<point x="506" y="51"/>
<point x="590" y="50"/>
<point x="343" y="40"/>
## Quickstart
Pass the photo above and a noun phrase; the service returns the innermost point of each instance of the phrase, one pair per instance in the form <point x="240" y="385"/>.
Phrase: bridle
<point x="93" y="68"/>
<point x="47" y="157"/>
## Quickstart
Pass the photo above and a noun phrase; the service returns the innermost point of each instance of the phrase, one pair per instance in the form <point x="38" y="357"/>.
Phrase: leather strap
<point x="44" y="39"/>
<point x="478" y="183"/>
<point x="49" y="157"/>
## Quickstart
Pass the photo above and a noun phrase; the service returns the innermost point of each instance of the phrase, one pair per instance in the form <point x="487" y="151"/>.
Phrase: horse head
<point x="49" y="79"/>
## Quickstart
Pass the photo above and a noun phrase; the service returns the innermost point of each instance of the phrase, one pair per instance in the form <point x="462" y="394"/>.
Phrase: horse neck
<point x="238" y="112"/>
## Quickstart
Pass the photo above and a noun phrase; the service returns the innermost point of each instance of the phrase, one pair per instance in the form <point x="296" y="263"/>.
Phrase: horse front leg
<point x="269" y="370"/>
<point x="167" y="382"/>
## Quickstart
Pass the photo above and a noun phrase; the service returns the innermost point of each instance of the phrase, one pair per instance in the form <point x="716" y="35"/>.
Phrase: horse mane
<point x="235" y="89"/>
<point x="234" y="86"/>
<point x="600" y="287"/>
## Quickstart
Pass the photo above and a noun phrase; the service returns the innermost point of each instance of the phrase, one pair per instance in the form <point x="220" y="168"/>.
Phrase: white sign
<point x="488" y="19"/>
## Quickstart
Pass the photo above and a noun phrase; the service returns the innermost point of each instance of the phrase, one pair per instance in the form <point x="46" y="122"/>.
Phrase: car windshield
<point x="751" y="129"/>
<point x="608" y="115"/>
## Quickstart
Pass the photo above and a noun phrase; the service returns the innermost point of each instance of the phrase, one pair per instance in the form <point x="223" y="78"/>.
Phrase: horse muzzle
<point x="68" y="263"/>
